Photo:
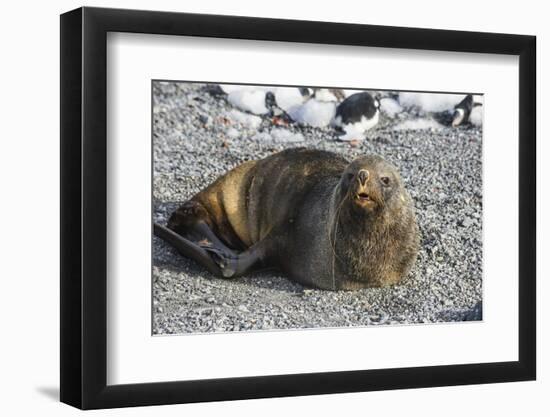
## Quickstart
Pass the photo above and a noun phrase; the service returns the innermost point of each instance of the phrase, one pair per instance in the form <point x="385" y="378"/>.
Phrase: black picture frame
<point x="84" y="222"/>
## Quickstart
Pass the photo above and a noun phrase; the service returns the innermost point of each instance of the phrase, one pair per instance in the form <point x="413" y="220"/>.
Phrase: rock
<point x="204" y="119"/>
<point x="467" y="222"/>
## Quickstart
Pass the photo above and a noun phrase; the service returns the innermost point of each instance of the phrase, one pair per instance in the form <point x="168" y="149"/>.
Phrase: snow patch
<point x="262" y="137"/>
<point x="418" y="124"/>
<point x="279" y="136"/>
<point x="286" y="136"/>
<point x="232" y="133"/>
<point x="244" y="119"/>
<point x="476" y="116"/>
<point x="430" y="102"/>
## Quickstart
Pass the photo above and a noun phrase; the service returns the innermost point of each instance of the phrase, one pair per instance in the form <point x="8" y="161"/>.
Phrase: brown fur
<point x="312" y="215"/>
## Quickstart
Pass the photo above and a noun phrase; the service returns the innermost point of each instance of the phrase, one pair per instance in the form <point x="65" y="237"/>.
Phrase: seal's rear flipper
<point x="233" y="266"/>
<point x="188" y="248"/>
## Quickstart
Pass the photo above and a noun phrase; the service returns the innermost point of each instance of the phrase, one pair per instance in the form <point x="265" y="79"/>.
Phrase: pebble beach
<point x="198" y="135"/>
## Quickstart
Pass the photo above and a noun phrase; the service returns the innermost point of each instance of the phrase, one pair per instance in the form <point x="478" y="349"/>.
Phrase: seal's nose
<point x="363" y="176"/>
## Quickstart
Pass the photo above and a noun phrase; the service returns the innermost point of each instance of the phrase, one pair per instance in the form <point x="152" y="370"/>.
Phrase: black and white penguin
<point x="282" y="100"/>
<point x="328" y="94"/>
<point x="463" y="111"/>
<point x="356" y="114"/>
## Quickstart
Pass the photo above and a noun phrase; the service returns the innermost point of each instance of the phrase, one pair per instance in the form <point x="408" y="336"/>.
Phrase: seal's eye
<point x="385" y="180"/>
<point x="350" y="176"/>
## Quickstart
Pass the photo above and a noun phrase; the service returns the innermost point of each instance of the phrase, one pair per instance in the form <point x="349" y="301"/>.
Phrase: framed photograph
<point x="256" y="208"/>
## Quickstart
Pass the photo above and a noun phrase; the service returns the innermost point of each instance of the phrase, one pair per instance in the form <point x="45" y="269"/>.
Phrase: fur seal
<point x="323" y="221"/>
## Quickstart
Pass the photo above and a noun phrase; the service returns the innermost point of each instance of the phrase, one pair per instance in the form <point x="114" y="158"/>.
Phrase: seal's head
<point x="370" y="184"/>
<point x="375" y="231"/>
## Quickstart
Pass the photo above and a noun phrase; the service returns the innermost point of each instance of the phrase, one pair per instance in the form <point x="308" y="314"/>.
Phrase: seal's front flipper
<point x="188" y="248"/>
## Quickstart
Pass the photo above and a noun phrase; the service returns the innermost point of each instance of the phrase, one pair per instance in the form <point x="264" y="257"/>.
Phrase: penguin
<point x="463" y="111"/>
<point x="328" y="94"/>
<point x="281" y="100"/>
<point x="271" y="104"/>
<point x="356" y="114"/>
